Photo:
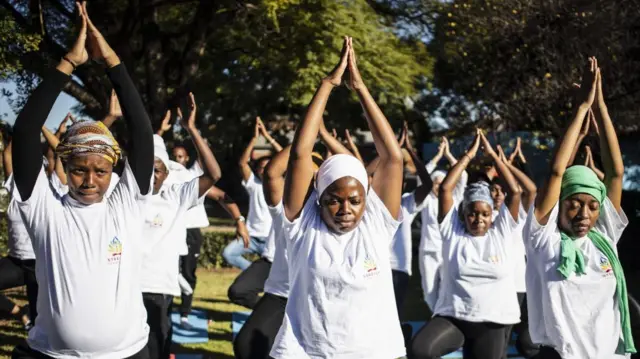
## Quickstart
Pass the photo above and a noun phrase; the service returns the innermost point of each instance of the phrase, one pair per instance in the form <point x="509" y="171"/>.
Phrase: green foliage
<point x="511" y="63"/>
<point x="14" y="43"/>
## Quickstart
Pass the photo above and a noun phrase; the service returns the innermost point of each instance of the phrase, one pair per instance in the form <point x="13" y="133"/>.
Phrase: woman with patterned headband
<point x="87" y="246"/>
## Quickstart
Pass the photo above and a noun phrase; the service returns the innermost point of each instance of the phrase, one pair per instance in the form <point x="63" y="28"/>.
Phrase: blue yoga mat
<point x="239" y="318"/>
<point x="198" y="334"/>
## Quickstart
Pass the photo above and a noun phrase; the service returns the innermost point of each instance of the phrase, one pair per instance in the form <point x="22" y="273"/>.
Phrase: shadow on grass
<point x="10" y="336"/>
<point x="213" y="300"/>
<point x="179" y="349"/>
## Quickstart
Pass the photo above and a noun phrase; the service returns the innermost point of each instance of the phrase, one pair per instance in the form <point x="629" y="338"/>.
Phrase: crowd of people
<point x="104" y="241"/>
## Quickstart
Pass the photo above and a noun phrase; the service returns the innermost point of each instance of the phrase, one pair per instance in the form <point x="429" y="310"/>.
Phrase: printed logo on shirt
<point x="605" y="265"/>
<point x="370" y="268"/>
<point x="115" y="251"/>
<point x="156" y="221"/>
<point x="494" y="259"/>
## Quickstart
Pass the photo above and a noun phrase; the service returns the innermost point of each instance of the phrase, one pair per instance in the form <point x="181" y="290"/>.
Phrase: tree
<point x="511" y="63"/>
<point x="239" y="58"/>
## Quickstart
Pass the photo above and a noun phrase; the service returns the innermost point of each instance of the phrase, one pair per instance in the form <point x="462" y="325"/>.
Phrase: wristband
<point x="65" y="58"/>
<point x="240" y="219"/>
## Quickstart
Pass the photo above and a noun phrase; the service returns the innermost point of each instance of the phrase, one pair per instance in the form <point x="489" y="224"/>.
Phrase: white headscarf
<point x="338" y="166"/>
<point x="478" y="191"/>
<point x="160" y="151"/>
<point x="438" y="174"/>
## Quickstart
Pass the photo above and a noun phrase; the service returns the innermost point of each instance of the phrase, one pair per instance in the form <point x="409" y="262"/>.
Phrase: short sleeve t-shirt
<point x="341" y="303"/>
<point x="164" y="227"/>
<point x="401" y="244"/>
<point x="579" y="316"/>
<point x="89" y="302"/>
<point x="258" y="219"/>
<point x="19" y="243"/>
<point x="477" y="272"/>
<point x="519" y="262"/>
<point x="278" y="281"/>
<point x="196" y="217"/>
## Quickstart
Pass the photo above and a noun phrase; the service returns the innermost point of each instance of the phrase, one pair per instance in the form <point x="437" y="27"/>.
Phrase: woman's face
<point x="160" y="173"/>
<point x="88" y="177"/>
<point x="478" y="217"/>
<point x="578" y="214"/>
<point x="498" y="195"/>
<point x="342" y="205"/>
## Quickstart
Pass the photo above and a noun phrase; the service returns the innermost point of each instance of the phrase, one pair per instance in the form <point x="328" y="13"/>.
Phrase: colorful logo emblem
<point x="157" y="221"/>
<point x="115" y="251"/>
<point x="370" y="265"/>
<point x="605" y="265"/>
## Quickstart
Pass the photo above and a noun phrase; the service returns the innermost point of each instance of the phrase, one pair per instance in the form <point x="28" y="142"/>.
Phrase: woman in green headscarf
<point x="576" y="287"/>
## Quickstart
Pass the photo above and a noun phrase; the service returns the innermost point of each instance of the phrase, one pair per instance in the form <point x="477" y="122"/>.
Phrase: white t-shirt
<point x="19" y="243"/>
<point x="196" y="217"/>
<point x="578" y="316"/>
<point x="258" y="219"/>
<point x="278" y="281"/>
<point x="401" y="244"/>
<point x="89" y="302"/>
<point x="519" y="261"/>
<point x="163" y="231"/>
<point x="477" y="274"/>
<point x="341" y="303"/>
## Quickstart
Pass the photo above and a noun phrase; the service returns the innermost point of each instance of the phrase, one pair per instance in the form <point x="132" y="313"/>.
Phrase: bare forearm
<point x="273" y="142"/>
<point x="569" y="141"/>
<point x="108" y="121"/>
<point x="307" y="134"/>
<point x="59" y="170"/>
<point x="332" y="143"/>
<point x="8" y="163"/>
<point x="610" y="148"/>
<point x="52" y="140"/>
<point x="210" y="165"/>
<point x="384" y="138"/>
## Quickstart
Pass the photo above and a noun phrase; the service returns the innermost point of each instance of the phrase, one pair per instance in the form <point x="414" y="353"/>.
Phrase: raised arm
<point x="425" y="178"/>
<point x="115" y="112"/>
<point x="26" y="131"/>
<point x="140" y="155"/>
<point x="352" y="146"/>
<point x="584" y="132"/>
<point x="529" y="188"/>
<point x="53" y="141"/>
<point x="6" y="160"/>
<point x="232" y="209"/>
<point x="268" y="137"/>
<point x="515" y="193"/>
<point x="550" y="192"/>
<point x="387" y="179"/>
<point x="211" y="169"/>
<point x="334" y="146"/>
<point x="447" y="152"/>
<point x="273" y="178"/>
<point x="165" y="125"/>
<point x="243" y="163"/>
<point x="300" y="167"/>
<point x="591" y="164"/>
<point x="609" y="148"/>
<point x="448" y="186"/>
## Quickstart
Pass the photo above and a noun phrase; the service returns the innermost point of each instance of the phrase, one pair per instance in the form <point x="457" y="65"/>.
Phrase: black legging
<point x="524" y="344"/>
<point x="245" y="289"/>
<point x="400" y="285"/>
<point x="444" y="335"/>
<point x="259" y="332"/>
<point x="16" y="273"/>
<point x="188" y="266"/>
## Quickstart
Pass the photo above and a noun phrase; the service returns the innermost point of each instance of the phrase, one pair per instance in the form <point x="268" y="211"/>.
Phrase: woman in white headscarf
<point x="341" y="302"/>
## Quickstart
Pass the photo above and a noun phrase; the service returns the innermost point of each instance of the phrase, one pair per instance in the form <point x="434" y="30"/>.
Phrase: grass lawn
<point x="211" y="296"/>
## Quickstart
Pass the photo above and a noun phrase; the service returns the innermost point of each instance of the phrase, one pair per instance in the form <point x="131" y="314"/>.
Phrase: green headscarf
<point x="581" y="179"/>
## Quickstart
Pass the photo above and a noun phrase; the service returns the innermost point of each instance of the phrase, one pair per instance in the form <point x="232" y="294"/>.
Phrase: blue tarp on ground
<point x="198" y="334"/>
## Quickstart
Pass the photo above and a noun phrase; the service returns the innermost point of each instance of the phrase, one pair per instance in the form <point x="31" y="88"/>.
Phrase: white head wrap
<point x="438" y="174"/>
<point x="160" y="151"/>
<point x="338" y="166"/>
<point x="478" y="191"/>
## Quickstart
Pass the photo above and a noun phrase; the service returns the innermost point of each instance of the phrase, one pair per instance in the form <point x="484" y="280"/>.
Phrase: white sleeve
<point x="430" y="167"/>
<point x="309" y="217"/>
<point x="451" y="225"/>
<point x="126" y="193"/>
<point x="458" y="191"/>
<point x="250" y="183"/>
<point x="42" y="208"/>
<point x="611" y="223"/>
<point x="196" y="170"/>
<point x="505" y="224"/>
<point x="57" y="185"/>
<point x="186" y="194"/>
<point x="377" y="215"/>
<point x="536" y="235"/>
